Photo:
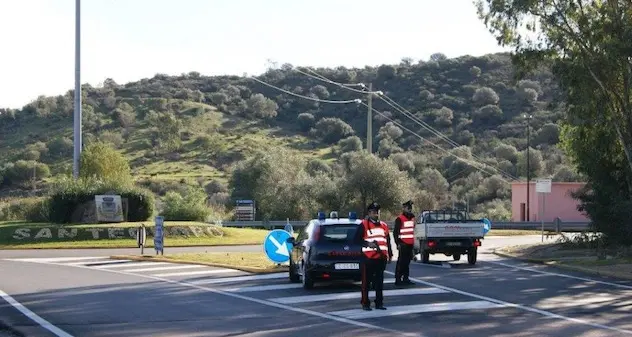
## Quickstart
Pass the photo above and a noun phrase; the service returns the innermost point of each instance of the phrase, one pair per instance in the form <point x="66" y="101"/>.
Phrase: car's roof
<point x="335" y="221"/>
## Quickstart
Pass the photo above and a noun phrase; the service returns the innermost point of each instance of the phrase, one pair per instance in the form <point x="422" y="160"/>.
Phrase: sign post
<point x="141" y="237"/>
<point x="159" y="235"/>
<point x="276" y="247"/>
<point x="542" y="187"/>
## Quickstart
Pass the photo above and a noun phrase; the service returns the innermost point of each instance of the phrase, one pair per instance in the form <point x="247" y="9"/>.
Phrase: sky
<point x="128" y="40"/>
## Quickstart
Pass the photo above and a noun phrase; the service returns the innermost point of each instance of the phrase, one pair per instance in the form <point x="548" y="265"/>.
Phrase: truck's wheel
<point x="471" y="256"/>
<point x="425" y="256"/>
<point x="456" y="257"/>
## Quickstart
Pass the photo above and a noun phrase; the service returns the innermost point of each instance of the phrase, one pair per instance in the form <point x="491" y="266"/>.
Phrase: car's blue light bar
<point x="322" y="216"/>
<point x="353" y="216"/>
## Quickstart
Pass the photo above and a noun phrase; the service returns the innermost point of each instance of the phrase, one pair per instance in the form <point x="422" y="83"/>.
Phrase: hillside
<point x="194" y="129"/>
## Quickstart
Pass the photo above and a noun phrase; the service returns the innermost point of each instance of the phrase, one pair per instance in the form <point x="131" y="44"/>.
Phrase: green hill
<point x="194" y="129"/>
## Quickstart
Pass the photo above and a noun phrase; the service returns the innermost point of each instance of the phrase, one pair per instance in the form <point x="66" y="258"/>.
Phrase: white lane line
<point x="241" y="278"/>
<point x="533" y="270"/>
<point x="199" y="272"/>
<point x="37" y="319"/>
<point x="188" y="266"/>
<point x="276" y="287"/>
<point x="58" y="259"/>
<point x="266" y="303"/>
<point x="87" y="263"/>
<point x="355" y="294"/>
<point x="132" y="264"/>
<point x="518" y="306"/>
<point x="415" y="309"/>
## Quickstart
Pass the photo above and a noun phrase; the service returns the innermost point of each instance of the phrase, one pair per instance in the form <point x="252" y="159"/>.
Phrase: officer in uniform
<point x="376" y="248"/>
<point x="404" y="238"/>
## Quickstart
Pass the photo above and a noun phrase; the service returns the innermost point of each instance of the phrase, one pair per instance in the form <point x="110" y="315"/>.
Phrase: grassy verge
<point x="23" y="235"/>
<point x="571" y="258"/>
<point x="251" y="262"/>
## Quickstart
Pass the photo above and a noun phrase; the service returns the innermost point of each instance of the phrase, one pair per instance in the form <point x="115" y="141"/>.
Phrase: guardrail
<point x="554" y="226"/>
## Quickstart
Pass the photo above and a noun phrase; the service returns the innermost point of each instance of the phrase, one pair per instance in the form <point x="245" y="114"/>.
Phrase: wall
<point x="558" y="203"/>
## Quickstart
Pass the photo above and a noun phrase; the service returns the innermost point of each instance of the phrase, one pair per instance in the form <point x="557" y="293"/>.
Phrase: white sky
<point x="132" y="39"/>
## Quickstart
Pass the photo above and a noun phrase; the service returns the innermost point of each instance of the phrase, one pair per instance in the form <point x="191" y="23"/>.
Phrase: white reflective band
<point x="376" y="232"/>
<point x="407" y="230"/>
<point x="406" y="236"/>
<point x="409" y="224"/>
<point x="380" y="239"/>
<point x="384" y="248"/>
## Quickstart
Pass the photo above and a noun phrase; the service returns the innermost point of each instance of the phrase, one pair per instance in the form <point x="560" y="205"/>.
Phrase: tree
<point x="588" y="45"/>
<point x="102" y="161"/>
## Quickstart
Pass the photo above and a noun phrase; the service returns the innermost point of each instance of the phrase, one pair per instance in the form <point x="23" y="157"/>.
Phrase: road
<point x="95" y="296"/>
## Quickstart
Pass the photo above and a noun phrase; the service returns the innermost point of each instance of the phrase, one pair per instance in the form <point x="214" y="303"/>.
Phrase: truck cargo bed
<point x="449" y="230"/>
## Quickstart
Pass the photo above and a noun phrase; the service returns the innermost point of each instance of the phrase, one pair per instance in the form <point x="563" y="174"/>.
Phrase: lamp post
<point x="77" y="105"/>
<point x="528" y="118"/>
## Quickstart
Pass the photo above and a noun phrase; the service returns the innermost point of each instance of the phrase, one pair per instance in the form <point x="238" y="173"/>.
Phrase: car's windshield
<point x="339" y="232"/>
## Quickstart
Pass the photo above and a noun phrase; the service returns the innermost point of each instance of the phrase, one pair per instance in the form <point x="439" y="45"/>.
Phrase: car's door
<point x="299" y="244"/>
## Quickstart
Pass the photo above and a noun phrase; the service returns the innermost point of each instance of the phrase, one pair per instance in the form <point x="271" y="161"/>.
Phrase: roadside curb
<point x="252" y="270"/>
<point x="564" y="266"/>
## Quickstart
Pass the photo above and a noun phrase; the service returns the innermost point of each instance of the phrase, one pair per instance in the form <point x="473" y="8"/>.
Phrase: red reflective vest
<point x="378" y="235"/>
<point x="406" y="231"/>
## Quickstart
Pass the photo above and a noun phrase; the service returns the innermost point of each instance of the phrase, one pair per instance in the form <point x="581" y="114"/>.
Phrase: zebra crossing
<point x="337" y="299"/>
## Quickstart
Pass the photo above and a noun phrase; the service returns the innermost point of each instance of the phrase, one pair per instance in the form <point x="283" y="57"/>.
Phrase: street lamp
<point x="528" y="118"/>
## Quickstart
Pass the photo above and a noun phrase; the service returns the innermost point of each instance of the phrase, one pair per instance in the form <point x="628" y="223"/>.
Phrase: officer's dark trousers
<point x="373" y="274"/>
<point x="402" y="270"/>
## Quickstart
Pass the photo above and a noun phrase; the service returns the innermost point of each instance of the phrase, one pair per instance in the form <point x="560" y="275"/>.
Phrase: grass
<point x="178" y="234"/>
<point x="250" y="259"/>
<point x="597" y="262"/>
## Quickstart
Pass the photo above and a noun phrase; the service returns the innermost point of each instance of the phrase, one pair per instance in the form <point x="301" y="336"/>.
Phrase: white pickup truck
<point x="448" y="232"/>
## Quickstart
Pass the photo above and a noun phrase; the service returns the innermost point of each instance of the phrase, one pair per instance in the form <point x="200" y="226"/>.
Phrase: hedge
<point x="68" y="194"/>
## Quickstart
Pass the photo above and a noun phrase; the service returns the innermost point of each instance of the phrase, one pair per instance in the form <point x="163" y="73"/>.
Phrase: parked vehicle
<point x="448" y="232"/>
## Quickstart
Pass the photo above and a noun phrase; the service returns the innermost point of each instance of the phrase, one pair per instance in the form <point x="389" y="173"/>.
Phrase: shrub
<point x="29" y="209"/>
<point x="68" y="194"/>
<point x="187" y="206"/>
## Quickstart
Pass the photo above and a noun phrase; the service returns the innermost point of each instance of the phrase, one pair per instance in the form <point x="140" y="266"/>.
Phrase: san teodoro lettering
<point x="43" y="233"/>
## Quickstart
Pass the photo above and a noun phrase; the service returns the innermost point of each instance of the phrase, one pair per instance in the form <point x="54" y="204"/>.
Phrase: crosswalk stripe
<point x="355" y="294"/>
<point x="199" y="272"/>
<point x="278" y="287"/>
<point x="240" y="278"/>
<point x="415" y="309"/>
<point x="188" y="266"/>
<point x="87" y="263"/>
<point x="132" y="264"/>
<point x="58" y="259"/>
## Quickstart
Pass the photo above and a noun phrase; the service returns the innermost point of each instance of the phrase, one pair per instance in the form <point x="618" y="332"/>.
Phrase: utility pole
<point x="369" y="121"/>
<point x="528" y="117"/>
<point x="77" y="110"/>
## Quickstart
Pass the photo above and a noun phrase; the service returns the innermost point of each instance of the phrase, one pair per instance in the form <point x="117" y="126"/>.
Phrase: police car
<point x="327" y="249"/>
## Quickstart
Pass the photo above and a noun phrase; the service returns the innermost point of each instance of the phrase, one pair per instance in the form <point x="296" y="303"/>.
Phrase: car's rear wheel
<point x="308" y="282"/>
<point x="294" y="277"/>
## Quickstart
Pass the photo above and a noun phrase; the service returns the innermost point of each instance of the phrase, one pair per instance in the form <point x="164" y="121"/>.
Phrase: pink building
<point x="556" y="204"/>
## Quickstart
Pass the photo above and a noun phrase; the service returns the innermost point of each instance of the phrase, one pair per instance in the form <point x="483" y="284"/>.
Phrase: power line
<point x="306" y="97"/>
<point x="403" y="110"/>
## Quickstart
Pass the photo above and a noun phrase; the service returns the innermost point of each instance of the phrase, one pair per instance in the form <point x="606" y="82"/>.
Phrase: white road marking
<point x="443" y="265"/>
<point x="199" y="272"/>
<point x="86" y="263"/>
<point x="133" y="264"/>
<point x="355" y="294"/>
<point x="264" y="302"/>
<point x="518" y="306"/>
<point x="58" y="259"/>
<point x="188" y="266"/>
<point x="533" y="270"/>
<point x="415" y="309"/>
<point x="37" y="319"/>
<point x="240" y="278"/>
<point x="277" y="287"/>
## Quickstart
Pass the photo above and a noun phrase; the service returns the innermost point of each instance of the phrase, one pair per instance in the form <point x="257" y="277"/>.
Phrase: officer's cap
<point x="408" y="204"/>
<point x="373" y="207"/>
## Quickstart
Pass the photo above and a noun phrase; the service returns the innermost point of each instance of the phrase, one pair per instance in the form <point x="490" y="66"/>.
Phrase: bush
<point x="29" y="209"/>
<point x="69" y="194"/>
<point x="187" y="206"/>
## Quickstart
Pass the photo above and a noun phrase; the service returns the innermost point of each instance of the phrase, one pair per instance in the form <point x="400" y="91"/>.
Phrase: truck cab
<point x="448" y="232"/>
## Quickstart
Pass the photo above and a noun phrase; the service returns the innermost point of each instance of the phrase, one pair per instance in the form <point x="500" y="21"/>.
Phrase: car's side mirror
<point x="291" y="240"/>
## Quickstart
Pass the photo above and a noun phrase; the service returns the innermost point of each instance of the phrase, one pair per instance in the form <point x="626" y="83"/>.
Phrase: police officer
<point x="376" y="248"/>
<point x="404" y="238"/>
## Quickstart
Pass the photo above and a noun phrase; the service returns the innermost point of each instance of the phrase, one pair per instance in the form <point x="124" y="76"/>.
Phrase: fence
<point x="553" y="226"/>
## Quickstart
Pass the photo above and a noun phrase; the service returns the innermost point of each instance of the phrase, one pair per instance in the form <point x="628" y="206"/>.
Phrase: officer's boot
<point x="407" y="281"/>
<point x="379" y="306"/>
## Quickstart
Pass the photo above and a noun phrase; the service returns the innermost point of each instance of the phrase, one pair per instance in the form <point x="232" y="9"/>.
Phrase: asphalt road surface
<point x="95" y="296"/>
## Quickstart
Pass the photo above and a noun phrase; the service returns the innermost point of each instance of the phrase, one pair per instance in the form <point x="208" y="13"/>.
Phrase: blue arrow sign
<point x="487" y="225"/>
<point x="276" y="246"/>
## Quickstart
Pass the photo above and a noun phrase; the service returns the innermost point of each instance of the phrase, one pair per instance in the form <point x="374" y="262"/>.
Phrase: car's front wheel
<point x="294" y="277"/>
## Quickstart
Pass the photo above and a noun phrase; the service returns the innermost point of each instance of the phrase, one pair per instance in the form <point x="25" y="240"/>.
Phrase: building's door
<point x="523" y="211"/>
